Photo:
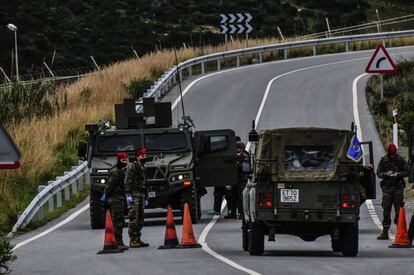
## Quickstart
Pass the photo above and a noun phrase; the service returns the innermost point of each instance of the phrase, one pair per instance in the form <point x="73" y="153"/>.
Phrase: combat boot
<point x="137" y="244"/>
<point x="384" y="234"/>
<point x="122" y="246"/>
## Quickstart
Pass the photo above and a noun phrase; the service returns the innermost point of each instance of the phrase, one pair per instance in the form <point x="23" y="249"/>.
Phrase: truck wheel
<point x="256" y="238"/>
<point x="245" y="235"/>
<point x="189" y="196"/>
<point x="97" y="211"/>
<point x="350" y="240"/>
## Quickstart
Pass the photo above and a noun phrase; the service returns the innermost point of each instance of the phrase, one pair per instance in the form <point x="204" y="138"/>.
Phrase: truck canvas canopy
<point x="302" y="153"/>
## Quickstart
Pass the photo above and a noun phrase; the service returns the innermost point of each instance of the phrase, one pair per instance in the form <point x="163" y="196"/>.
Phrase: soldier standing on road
<point x="115" y="193"/>
<point x="135" y="188"/>
<point x="391" y="169"/>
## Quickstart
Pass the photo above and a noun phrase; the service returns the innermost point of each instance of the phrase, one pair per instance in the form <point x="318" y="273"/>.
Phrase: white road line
<point x="53" y="228"/>
<point x="206" y="248"/>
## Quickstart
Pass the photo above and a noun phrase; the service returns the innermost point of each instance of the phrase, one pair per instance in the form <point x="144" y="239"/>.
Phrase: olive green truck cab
<point x="303" y="184"/>
<point x="180" y="162"/>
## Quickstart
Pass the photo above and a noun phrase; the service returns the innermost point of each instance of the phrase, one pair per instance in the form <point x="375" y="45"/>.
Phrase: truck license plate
<point x="152" y="194"/>
<point x="289" y="195"/>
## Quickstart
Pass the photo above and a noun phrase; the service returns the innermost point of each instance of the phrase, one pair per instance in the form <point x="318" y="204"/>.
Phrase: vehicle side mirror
<point x="82" y="148"/>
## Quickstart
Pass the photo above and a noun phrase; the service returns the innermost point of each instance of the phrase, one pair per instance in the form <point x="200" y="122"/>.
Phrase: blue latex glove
<point x="146" y="203"/>
<point x="104" y="198"/>
<point x="130" y="200"/>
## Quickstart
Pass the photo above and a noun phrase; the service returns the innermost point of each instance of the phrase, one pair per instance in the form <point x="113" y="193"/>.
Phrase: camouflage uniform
<point x="392" y="187"/>
<point x="116" y="200"/>
<point x="136" y="187"/>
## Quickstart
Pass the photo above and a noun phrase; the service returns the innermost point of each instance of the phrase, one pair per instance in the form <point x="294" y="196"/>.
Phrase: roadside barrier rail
<point x="170" y="77"/>
<point x="63" y="187"/>
<point x="76" y="178"/>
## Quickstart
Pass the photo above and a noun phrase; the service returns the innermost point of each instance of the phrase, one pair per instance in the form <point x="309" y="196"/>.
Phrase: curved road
<point x="313" y="91"/>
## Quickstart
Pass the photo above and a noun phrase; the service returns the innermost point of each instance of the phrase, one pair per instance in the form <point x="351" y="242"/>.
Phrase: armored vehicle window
<point x="218" y="143"/>
<point x="114" y="143"/>
<point x="309" y="158"/>
<point x="165" y="141"/>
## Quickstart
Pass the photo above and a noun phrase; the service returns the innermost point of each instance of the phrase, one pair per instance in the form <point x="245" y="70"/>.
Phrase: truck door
<point x="369" y="178"/>
<point x="215" y="157"/>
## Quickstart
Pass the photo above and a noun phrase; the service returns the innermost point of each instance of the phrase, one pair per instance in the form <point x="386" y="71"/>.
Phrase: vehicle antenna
<point x="179" y="83"/>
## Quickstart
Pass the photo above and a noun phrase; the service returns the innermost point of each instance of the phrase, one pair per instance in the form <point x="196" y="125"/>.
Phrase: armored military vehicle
<point x="180" y="162"/>
<point x="304" y="184"/>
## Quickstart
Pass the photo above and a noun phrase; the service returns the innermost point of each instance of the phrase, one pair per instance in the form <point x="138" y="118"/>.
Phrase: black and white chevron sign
<point x="235" y="23"/>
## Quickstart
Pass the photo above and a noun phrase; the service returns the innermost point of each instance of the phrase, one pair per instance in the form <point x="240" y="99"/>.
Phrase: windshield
<point x="309" y="158"/>
<point x="165" y="141"/>
<point x="115" y="143"/>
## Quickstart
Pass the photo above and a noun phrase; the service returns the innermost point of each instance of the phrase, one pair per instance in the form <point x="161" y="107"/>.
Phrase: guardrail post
<point x="40" y="213"/>
<point x="238" y="61"/>
<point x="260" y="57"/>
<point x="190" y="71"/>
<point x="58" y="199"/>
<point x="285" y="53"/>
<point x="50" y="201"/>
<point x="180" y="75"/>
<point x="346" y="46"/>
<point x="203" y="70"/>
<point x="383" y="42"/>
<point x="66" y="191"/>
<point x="218" y="64"/>
<point x="314" y="50"/>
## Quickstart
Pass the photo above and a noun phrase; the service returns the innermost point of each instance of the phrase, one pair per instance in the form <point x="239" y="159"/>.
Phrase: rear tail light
<point x="265" y="200"/>
<point x="349" y="201"/>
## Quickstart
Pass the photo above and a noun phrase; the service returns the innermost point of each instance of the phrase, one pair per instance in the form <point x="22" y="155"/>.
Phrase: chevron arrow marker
<point x="241" y="28"/>
<point x="249" y="17"/>
<point x="249" y="28"/>
<point x="223" y="18"/>
<point x="224" y="29"/>
<point x="241" y="17"/>
<point x="233" y="29"/>
<point x="232" y="18"/>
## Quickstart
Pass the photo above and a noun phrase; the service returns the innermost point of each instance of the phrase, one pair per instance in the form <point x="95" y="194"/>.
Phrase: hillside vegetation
<point x="64" y="34"/>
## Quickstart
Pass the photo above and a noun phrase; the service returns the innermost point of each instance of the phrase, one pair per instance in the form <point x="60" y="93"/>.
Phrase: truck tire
<point x="97" y="211"/>
<point x="256" y="238"/>
<point x="189" y="196"/>
<point x="350" y="236"/>
<point x="245" y="235"/>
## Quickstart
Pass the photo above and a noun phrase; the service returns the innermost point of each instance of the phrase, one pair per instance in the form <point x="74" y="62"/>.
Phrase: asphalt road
<point x="314" y="91"/>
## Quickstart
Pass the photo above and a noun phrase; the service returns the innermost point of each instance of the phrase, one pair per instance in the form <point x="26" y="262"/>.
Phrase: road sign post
<point x="395" y="127"/>
<point x="381" y="63"/>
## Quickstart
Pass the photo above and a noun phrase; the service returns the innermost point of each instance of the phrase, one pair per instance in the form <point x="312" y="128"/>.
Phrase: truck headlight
<point x="180" y="177"/>
<point x="103" y="181"/>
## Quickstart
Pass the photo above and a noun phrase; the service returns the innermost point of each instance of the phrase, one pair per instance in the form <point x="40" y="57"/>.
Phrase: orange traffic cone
<point x="110" y="245"/>
<point x="171" y="240"/>
<point x="188" y="240"/>
<point x="401" y="238"/>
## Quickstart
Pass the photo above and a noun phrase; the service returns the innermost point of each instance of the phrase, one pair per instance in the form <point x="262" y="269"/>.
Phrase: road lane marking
<point x="53" y="228"/>
<point x="206" y="248"/>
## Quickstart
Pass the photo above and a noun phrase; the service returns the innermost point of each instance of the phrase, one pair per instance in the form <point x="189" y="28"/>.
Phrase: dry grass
<point x="39" y="138"/>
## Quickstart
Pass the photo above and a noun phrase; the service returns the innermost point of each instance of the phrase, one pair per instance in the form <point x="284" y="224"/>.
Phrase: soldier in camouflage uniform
<point x="116" y="197"/>
<point x="135" y="188"/>
<point x="392" y="169"/>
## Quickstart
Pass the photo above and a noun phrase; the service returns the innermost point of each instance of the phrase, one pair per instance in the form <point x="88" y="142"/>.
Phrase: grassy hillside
<point x="64" y="34"/>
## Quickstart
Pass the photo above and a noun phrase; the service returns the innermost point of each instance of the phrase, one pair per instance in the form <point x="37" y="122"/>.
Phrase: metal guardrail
<point x="169" y="78"/>
<point x="80" y="174"/>
<point x="71" y="183"/>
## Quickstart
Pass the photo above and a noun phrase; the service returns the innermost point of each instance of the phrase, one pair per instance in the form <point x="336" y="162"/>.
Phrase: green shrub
<point x="27" y="101"/>
<point x="137" y="87"/>
<point x="5" y="254"/>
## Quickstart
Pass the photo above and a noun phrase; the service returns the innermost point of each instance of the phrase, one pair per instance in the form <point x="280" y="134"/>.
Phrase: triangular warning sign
<point x="381" y="62"/>
<point x="9" y="154"/>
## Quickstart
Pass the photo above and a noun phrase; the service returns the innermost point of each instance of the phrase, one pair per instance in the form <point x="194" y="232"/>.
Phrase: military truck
<point x="180" y="162"/>
<point x="303" y="184"/>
